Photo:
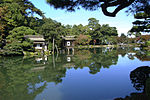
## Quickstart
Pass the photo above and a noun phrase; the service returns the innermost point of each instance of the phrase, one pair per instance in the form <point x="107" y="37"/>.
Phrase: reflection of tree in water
<point x="143" y="55"/>
<point x="97" y="58"/>
<point x="82" y="58"/>
<point x="103" y="57"/>
<point x="140" y="78"/>
<point x="125" y="50"/>
<point x="122" y="51"/>
<point x="130" y="56"/>
<point x="19" y="82"/>
<point x="15" y="79"/>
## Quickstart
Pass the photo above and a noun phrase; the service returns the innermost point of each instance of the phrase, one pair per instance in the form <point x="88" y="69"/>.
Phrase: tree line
<point x="17" y="19"/>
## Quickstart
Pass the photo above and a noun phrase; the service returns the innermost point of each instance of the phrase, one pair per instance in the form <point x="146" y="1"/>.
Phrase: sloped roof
<point x="69" y="37"/>
<point x="35" y="37"/>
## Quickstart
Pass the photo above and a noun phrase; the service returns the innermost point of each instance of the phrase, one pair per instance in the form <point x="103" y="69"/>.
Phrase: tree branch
<point x="120" y="3"/>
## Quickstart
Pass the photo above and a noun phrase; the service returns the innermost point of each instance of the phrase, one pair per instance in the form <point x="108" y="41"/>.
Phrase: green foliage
<point x="112" y="40"/>
<point x="142" y="24"/>
<point x="138" y="34"/>
<point x="138" y="6"/>
<point x="93" y="23"/>
<point x="28" y="54"/>
<point x="147" y="43"/>
<point x="27" y="45"/>
<point x="123" y="35"/>
<point x="100" y="32"/>
<point x="16" y="41"/>
<point x="80" y="29"/>
<point x="52" y="29"/>
<point x="24" y="78"/>
<point x="72" y="5"/>
<point x="19" y="33"/>
<point x="122" y="39"/>
<point x="17" y="19"/>
<point x="20" y="76"/>
<point x="109" y="31"/>
<point x="14" y="48"/>
<point x="17" y="48"/>
<point x="95" y="59"/>
<point x="14" y="17"/>
<point x="35" y="23"/>
<point x="16" y="13"/>
<point x="50" y="46"/>
<point x="94" y="28"/>
<point x="83" y="39"/>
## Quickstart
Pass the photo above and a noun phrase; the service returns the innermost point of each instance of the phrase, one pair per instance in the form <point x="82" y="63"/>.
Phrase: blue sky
<point x="121" y="21"/>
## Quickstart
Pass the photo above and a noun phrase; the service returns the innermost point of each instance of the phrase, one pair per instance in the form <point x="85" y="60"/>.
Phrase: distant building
<point x="68" y="43"/>
<point x="38" y="41"/>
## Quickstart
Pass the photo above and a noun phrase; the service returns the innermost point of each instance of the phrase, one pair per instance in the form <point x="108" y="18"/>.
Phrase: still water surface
<point x="89" y="74"/>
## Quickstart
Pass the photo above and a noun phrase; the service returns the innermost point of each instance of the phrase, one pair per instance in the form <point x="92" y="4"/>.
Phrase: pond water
<point x="89" y="74"/>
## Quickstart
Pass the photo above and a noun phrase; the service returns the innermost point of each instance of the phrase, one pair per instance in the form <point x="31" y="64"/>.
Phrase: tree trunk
<point x="53" y="53"/>
<point x="53" y="45"/>
<point x="57" y="49"/>
<point x="53" y="60"/>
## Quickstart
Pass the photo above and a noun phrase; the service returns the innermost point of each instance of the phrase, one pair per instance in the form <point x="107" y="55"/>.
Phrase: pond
<point x="89" y="74"/>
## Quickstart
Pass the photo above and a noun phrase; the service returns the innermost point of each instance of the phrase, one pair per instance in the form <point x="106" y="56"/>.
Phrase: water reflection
<point x="22" y="80"/>
<point x="25" y="78"/>
<point x="143" y="55"/>
<point x="140" y="78"/>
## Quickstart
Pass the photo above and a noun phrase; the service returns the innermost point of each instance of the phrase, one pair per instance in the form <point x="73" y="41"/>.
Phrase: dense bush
<point x="148" y="43"/>
<point x="83" y="39"/>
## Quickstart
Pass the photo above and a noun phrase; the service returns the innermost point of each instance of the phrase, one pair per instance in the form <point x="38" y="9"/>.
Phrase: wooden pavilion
<point x="38" y="41"/>
<point x="68" y="43"/>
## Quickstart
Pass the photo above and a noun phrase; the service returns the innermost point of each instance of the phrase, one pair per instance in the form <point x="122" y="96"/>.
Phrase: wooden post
<point x="68" y="51"/>
<point x="72" y="51"/>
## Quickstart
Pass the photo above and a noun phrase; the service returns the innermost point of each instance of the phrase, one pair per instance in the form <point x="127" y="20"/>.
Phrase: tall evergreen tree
<point x="15" y="13"/>
<point x="72" y="5"/>
<point x="142" y="24"/>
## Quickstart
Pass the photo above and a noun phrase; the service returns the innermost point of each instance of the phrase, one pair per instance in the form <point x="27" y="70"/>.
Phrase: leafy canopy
<point x="100" y="32"/>
<point x="72" y="5"/>
<point x="16" y="13"/>
<point x="19" y="33"/>
<point x="16" y="42"/>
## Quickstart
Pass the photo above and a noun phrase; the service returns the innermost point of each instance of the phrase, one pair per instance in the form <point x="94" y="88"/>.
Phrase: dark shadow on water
<point x="140" y="78"/>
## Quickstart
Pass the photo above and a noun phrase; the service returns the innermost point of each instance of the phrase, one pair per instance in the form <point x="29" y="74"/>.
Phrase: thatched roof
<point x="35" y="37"/>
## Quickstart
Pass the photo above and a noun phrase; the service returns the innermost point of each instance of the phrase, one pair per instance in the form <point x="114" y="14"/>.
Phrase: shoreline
<point x="98" y="46"/>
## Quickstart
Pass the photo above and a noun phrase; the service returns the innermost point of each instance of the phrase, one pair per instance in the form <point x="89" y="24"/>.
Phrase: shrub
<point x="83" y="39"/>
<point x="148" y="43"/>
